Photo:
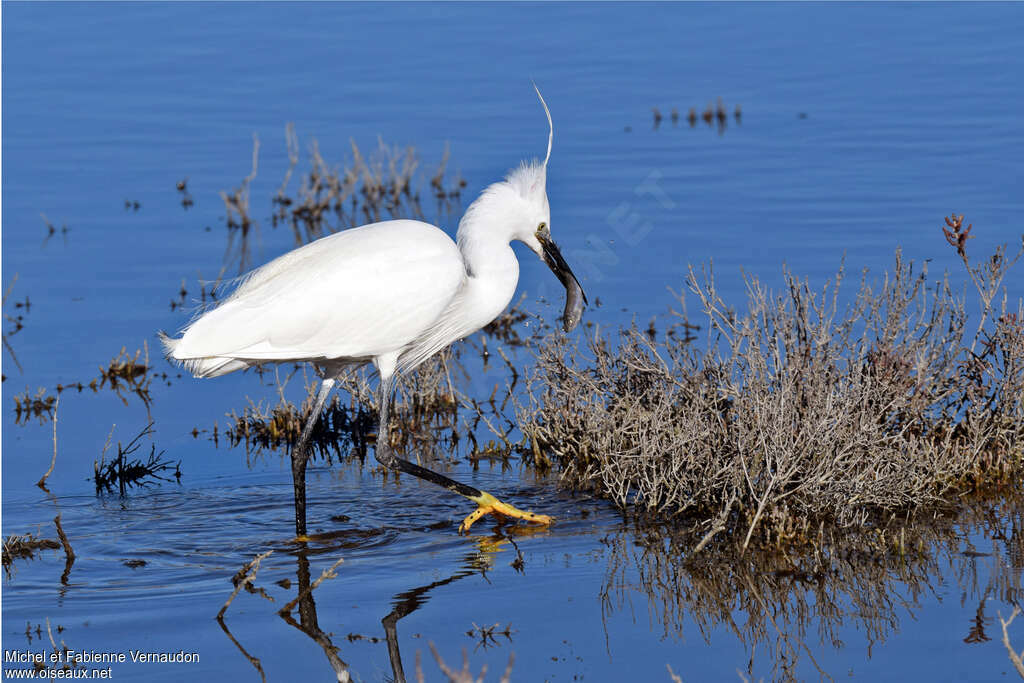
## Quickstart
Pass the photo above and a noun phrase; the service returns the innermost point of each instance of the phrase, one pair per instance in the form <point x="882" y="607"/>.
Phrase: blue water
<point x="862" y="126"/>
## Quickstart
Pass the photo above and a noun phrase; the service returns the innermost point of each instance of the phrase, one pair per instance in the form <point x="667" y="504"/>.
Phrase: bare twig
<point x="252" y="660"/>
<point x="249" y="575"/>
<point x="49" y="632"/>
<point x="7" y="345"/>
<point x="328" y="573"/>
<point x="718" y="527"/>
<point x="1017" y="659"/>
<point x="463" y="675"/>
<point x="69" y="553"/>
<point x="53" y="462"/>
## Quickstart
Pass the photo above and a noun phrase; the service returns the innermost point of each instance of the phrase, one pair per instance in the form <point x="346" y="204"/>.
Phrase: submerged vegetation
<point x="800" y="412"/>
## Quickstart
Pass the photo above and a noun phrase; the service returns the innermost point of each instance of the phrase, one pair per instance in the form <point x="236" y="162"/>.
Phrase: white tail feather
<point x="200" y="367"/>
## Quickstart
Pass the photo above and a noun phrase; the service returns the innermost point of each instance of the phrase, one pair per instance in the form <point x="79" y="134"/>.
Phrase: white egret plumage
<point x="392" y="293"/>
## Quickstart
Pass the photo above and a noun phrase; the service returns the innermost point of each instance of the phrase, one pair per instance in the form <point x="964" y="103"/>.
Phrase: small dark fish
<point x="575" y="301"/>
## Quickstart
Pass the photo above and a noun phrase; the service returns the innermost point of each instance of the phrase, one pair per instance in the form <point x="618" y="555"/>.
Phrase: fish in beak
<point x="575" y="299"/>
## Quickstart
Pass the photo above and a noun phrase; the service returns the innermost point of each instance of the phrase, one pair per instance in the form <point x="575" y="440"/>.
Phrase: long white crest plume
<point x="551" y="127"/>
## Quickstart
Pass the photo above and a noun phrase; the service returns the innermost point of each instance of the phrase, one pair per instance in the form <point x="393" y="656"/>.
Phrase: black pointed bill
<point x="575" y="299"/>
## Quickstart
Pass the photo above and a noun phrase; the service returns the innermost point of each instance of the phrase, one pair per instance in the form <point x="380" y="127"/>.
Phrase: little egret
<point x="392" y="293"/>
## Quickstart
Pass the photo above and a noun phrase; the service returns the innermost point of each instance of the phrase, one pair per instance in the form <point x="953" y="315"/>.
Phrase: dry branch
<point x="328" y="573"/>
<point x="1017" y="659"/>
<point x="53" y="462"/>
<point x="244" y="577"/>
<point x="69" y="553"/>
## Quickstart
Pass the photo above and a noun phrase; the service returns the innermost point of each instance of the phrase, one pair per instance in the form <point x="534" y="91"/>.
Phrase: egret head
<point x="530" y="213"/>
<point x="530" y="183"/>
<point x="517" y="209"/>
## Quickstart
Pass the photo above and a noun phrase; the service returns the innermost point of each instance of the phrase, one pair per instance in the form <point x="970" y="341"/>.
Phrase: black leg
<point x="486" y="503"/>
<point x="393" y="462"/>
<point x="301" y="453"/>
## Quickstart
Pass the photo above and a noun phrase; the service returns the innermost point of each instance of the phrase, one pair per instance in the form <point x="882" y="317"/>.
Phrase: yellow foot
<point x="489" y="505"/>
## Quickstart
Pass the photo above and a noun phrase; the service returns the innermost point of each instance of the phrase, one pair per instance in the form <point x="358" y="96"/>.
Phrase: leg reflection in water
<point x="411" y="600"/>
<point x="479" y="561"/>
<point x="308" y="622"/>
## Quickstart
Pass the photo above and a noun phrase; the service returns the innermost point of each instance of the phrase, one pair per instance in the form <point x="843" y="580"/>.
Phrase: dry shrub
<point x="799" y="411"/>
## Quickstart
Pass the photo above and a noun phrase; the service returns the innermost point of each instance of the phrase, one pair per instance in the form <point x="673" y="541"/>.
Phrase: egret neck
<point x="492" y="269"/>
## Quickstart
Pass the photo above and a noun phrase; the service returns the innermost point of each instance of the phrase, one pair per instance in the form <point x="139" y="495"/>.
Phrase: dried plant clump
<point x="126" y="373"/>
<point x="716" y="116"/>
<point x="15" y="319"/>
<point x="244" y="578"/>
<point x="182" y="293"/>
<point x="53" y="461"/>
<point x="52" y="229"/>
<point x="341" y="431"/>
<point x="425" y="416"/>
<point x="507" y="326"/>
<point x="798" y="412"/>
<point x="24" y="547"/>
<point x="369" y="189"/>
<point x="463" y="675"/>
<point x="124" y="473"/>
<point x="239" y="222"/>
<point x="485" y="635"/>
<point x="38" y="405"/>
<point x="186" y="197"/>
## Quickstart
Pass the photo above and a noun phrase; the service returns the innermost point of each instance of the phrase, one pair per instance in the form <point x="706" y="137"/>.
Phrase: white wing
<point x="358" y="293"/>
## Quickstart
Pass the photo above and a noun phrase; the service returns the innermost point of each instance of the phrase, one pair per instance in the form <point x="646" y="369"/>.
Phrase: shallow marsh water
<point x="861" y="127"/>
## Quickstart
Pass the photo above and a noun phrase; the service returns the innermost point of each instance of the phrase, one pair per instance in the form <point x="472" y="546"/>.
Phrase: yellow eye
<point x="542" y="226"/>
